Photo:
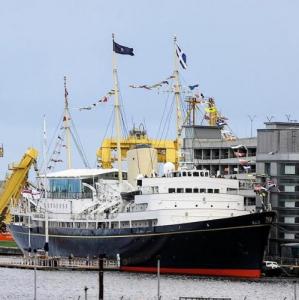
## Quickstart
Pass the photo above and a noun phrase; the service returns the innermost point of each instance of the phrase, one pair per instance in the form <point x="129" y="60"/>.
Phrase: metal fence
<point x="58" y="262"/>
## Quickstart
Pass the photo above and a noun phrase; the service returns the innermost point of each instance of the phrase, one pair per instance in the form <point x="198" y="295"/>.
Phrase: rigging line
<point x="85" y="162"/>
<point x="163" y="114"/>
<point x="108" y="125"/>
<point x="122" y="109"/>
<point x="42" y="162"/>
<point x="124" y="128"/>
<point x="167" y="120"/>
<point x="170" y="119"/>
<point x="78" y="140"/>
<point x="166" y="114"/>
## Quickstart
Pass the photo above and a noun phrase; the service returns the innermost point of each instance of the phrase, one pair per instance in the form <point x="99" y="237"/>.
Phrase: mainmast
<point x="117" y="114"/>
<point x="177" y="92"/>
<point x="66" y="119"/>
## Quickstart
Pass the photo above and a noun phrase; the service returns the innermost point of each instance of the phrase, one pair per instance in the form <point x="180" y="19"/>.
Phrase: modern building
<point x="206" y="148"/>
<point x="277" y="161"/>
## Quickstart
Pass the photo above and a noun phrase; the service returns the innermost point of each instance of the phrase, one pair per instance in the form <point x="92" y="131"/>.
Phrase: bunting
<point x="101" y="100"/>
<point x="152" y="86"/>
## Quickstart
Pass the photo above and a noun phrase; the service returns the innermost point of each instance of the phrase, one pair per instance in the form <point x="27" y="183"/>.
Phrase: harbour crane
<point x="15" y="181"/>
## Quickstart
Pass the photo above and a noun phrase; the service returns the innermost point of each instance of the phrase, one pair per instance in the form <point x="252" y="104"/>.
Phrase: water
<point x="18" y="284"/>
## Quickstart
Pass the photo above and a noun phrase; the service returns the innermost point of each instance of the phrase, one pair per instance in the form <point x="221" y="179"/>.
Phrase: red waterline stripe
<point x="249" y="273"/>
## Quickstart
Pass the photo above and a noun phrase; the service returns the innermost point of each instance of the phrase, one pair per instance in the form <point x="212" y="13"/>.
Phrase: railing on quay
<point x="30" y="262"/>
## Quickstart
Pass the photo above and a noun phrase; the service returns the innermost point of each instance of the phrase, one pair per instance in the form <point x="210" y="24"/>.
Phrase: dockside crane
<point x="15" y="181"/>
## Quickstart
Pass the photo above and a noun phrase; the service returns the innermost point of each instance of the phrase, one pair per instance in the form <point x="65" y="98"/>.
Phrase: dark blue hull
<point x="231" y="246"/>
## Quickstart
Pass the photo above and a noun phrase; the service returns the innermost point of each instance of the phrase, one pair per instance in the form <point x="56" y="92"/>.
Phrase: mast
<point x="66" y="119"/>
<point x="177" y="94"/>
<point x="117" y="113"/>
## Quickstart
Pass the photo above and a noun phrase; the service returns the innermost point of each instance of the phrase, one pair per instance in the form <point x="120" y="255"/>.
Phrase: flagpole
<point x="66" y="119"/>
<point x="117" y="113"/>
<point x="45" y="146"/>
<point x="178" y="108"/>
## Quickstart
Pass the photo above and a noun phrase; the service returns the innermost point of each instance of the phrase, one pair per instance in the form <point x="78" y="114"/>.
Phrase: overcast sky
<point x="243" y="53"/>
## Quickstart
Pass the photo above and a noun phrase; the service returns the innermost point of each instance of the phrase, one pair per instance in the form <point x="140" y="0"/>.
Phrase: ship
<point x="193" y="223"/>
<point x="190" y="221"/>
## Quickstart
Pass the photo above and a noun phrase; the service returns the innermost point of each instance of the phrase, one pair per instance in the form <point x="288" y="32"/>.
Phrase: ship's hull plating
<point x="224" y="247"/>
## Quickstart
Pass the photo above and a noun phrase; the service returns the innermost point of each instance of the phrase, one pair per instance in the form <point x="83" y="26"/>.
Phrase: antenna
<point x="269" y="118"/>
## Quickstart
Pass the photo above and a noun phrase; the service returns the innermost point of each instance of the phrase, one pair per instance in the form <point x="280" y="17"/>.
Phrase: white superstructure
<point x="94" y="199"/>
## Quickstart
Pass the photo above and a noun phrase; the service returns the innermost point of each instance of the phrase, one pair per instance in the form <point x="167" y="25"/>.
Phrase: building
<point x="277" y="161"/>
<point x="206" y="148"/>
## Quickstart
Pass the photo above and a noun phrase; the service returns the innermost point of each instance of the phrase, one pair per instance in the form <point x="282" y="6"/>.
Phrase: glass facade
<point x="64" y="185"/>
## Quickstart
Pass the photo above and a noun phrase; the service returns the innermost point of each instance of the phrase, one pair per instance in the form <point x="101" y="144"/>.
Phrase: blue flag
<point x="117" y="48"/>
<point x="182" y="57"/>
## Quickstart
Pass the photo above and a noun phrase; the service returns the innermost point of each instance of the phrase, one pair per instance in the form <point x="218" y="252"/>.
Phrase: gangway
<point x="16" y="180"/>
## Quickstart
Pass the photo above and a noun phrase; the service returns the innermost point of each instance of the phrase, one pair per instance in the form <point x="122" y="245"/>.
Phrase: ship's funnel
<point x="142" y="160"/>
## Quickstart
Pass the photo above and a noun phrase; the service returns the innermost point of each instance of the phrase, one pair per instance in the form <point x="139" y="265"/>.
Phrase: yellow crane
<point x="166" y="149"/>
<point x="16" y="180"/>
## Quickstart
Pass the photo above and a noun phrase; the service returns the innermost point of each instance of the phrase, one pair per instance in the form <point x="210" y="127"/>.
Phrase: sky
<point x="242" y="53"/>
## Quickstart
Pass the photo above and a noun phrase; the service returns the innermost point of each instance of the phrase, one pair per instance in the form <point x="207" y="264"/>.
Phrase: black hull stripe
<point x="138" y="235"/>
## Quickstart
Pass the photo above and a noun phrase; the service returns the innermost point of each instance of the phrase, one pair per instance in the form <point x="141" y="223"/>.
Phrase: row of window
<point x="190" y="174"/>
<point x="223" y="153"/>
<point x="112" y="225"/>
<point x="194" y="190"/>
<point x="57" y="205"/>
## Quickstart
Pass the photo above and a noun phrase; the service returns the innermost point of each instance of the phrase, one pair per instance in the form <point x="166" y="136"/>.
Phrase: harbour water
<point x="60" y="285"/>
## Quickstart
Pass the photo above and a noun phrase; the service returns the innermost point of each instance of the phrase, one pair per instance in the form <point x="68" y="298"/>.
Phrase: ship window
<point x="180" y="190"/>
<point x="114" y="225"/>
<point x="189" y="173"/>
<point x="101" y="225"/>
<point x="184" y="174"/>
<point x="195" y="190"/>
<point x="196" y="174"/>
<point x="188" y="190"/>
<point x="202" y="190"/>
<point x="63" y="185"/>
<point x="216" y="191"/>
<point x="171" y="190"/>
<point x="206" y="174"/>
<point x="210" y="191"/>
<point x="201" y="174"/>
